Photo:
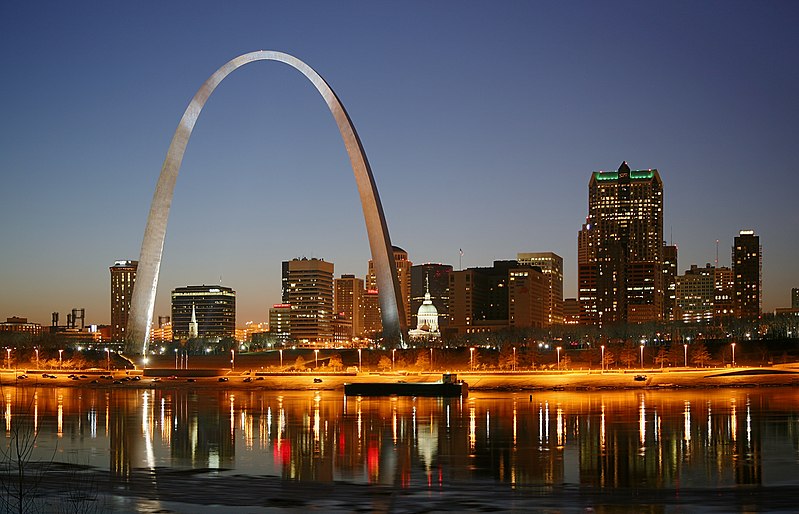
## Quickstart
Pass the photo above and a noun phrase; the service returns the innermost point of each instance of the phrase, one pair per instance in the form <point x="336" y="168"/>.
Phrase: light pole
<point x="37" y="358"/>
<point x="316" y="359"/>
<point x="281" y="358"/>
<point x="733" y="355"/>
<point x="431" y="358"/>
<point x="514" y="359"/>
<point x="108" y="359"/>
<point x="603" y="358"/>
<point x="360" y="361"/>
<point x="8" y="358"/>
<point x="59" y="358"/>
<point x="471" y="358"/>
<point x="685" y="347"/>
<point x="393" y="351"/>
<point x="232" y="359"/>
<point x="558" y="348"/>
<point x="176" y="358"/>
<point x="642" y="356"/>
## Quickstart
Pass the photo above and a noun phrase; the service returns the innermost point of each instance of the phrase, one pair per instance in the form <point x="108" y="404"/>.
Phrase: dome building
<point x="426" y="318"/>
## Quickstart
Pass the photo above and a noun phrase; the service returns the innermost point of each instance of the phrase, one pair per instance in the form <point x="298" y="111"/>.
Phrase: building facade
<point x="795" y="298"/>
<point x="213" y="309"/>
<point x="696" y="294"/>
<point x="348" y="304"/>
<point x="123" y="277"/>
<point x="747" y="265"/>
<point x="479" y="298"/>
<point x="310" y="295"/>
<point x="669" y="281"/>
<point x="551" y="265"/>
<point x="280" y="321"/>
<point x="528" y="298"/>
<point x="621" y="246"/>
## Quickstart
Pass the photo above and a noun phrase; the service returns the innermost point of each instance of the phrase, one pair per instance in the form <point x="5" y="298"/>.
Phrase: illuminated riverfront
<point x="530" y="452"/>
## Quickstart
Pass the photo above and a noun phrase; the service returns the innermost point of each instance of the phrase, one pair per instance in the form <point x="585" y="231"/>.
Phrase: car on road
<point x="223" y="379"/>
<point x="640" y="378"/>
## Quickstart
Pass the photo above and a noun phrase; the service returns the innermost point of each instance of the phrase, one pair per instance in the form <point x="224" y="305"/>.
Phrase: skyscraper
<point x="348" y="302"/>
<point x="623" y="236"/>
<point x="795" y="298"/>
<point x="310" y="294"/>
<point x="528" y="292"/>
<point x="212" y="308"/>
<point x="551" y="265"/>
<point x="478" y="300"/>
<point x="747" y="261"/>
<point x="669" y="281"/>
<point x="123" y="277"/>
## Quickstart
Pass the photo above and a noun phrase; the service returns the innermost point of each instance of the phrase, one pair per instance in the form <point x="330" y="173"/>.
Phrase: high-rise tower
<point x="348" y="302"/>
<point x="310" y="294"/>
<point x="747" y="261"/>
<point x="551" y="265"/>
<point x="123" y="276"/>
<point x="403" y="277"/>
<point x="623" y="239"/>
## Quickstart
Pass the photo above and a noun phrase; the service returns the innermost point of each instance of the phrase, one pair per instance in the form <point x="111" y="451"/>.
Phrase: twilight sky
<point x="482" y="122"/>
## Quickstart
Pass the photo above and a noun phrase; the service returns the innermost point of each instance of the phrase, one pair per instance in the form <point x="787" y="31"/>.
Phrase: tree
<point x="384" y="363"/>
<point x="628" y="356"/>
<point x="423" y="360"/>
<point x="662" y="358"/>
<point x="610" y="358"/>
<point x="677" y="354"/>
<point x="299" y="364"/>
<point x="335" y="363"/>
<point x="699" y="355"/>
<point x="508" y="358"/>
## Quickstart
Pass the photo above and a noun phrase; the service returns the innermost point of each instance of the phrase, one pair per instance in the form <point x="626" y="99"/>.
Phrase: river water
<point x="176" y="450"/>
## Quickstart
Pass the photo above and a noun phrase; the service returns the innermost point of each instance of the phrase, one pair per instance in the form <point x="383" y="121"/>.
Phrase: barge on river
<point x="448" y="387"/>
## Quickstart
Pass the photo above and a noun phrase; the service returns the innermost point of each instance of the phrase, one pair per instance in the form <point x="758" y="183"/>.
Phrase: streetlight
<point x="514" y="359"/>
<point x="558" y="348"/>
<point x="281" y="358"/>
<point x="685" y="346"/>
<point x="603" y="358"/>
<point x="37" y="358"/>
<point x="8" y="358"/>
<point x="232" y="359"/>
<point x="360" y="361"/>
<point x="59" y="358"/>
<point x="642" y="356"/>
<point x="316" y="359"/>
<point x="393" y="351"/>
<point x="108" y="359"/>
<point x="176" y="358"/>
<point x="431" y="358"/>
<point x="471" y="358"/>
<point x="733" y="355"/>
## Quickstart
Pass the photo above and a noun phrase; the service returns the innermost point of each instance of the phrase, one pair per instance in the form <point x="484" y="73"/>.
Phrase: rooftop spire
<point x="624" y="166"/>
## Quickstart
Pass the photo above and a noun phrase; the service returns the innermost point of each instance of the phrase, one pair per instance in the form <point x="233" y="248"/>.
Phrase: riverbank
<point x="784" y="375"/>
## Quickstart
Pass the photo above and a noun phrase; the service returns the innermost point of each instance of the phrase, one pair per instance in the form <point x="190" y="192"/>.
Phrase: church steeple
<point x="194" y="331"/>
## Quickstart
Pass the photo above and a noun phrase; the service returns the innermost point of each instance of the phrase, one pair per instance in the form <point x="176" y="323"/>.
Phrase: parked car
<point x="640" y="378"/>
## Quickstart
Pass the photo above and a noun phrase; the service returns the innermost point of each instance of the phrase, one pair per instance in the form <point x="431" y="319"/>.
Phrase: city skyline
<point x="479" y="142"/>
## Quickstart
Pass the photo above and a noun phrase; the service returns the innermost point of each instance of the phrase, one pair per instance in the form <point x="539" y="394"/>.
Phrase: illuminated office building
<point x="551" y="265"/>
<point x="212" y="308"/>
<point x="348" y="304"/>
<point x="622" y="246"/>
<point x="310" y="294"/>
<point x="123" y="276"/>
<point x="403" y="277"/>
<point x="747" y="262"/>
<point x="437" y="277"/>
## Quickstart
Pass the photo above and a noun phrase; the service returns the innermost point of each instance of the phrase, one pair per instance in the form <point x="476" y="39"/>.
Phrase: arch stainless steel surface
<point x="143" y="299"/>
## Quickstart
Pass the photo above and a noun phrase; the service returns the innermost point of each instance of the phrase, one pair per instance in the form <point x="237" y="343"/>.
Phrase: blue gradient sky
<point x="482" y="122"/>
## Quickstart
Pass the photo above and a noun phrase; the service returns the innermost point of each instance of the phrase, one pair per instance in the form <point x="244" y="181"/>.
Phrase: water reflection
<point x="599" y="440"/>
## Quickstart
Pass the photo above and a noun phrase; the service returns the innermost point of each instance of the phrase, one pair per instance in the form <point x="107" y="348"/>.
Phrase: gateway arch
<point x="143" y="299"/>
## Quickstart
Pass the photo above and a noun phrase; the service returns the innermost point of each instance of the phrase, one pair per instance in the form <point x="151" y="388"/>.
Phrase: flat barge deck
<point x="448" y="387"/>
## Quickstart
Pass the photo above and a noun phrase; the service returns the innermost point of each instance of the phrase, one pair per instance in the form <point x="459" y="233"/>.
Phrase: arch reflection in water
<point x="602" y="440"/>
